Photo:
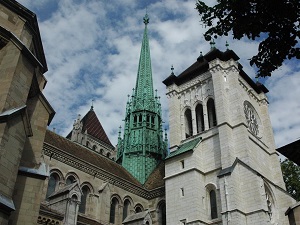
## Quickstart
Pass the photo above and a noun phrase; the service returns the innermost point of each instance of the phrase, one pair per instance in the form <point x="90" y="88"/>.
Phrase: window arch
<point x="70" y="180"/>
<point x="212" y="201"/>
<point x="126" y="208"/>
<point x="74" y="197"/>
<point x="199" y="118"/>
<point x="211" y="111"/>
<point x="138" y="208"/>
<point x="108" y="155"/>
<point x="101" y="151"/>
<point x="161" y="213"/>
<point x="113" y="207"/>
<point x="213" y="204"/>
<point x="85" y="193"/>
<point x="88" y="144"/>
<point x="272" y="212"/>
<point x="94" y="148"/>
<point x="52" y="184"/>
<point x="188" y="123"/>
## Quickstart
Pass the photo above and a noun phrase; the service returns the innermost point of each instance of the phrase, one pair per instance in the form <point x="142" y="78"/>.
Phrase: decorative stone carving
<point x="252" y="118"/>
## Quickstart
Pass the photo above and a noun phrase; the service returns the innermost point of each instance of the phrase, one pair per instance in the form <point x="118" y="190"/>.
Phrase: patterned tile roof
<point x="88" y="156"/>
<point x="94" y="128"/>
<point x="156" y="178"/>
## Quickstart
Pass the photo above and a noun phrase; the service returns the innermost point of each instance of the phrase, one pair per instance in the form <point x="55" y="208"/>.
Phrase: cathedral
<point x="218" y="165"/>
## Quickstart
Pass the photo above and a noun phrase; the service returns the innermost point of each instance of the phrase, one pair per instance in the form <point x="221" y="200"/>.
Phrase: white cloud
<point x="92" y="49"/>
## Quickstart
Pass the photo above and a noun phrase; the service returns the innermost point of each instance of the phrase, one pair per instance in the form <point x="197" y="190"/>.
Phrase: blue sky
<point x="92" y="49"/>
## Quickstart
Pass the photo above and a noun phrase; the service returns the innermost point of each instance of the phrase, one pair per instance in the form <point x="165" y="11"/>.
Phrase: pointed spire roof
<point x="144" y="84"/>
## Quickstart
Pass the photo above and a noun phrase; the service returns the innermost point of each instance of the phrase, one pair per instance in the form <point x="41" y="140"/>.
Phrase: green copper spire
<point x="143" y="145"/>
<point x="144" y="83"/>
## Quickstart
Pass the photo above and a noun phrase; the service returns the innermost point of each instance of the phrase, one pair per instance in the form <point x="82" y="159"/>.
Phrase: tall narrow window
<point x="199" y="118"/>
<point x="162" y="214"/>
<point x="188" y="123"/>
<point x="52" y="184"/>
<point x="113" y="207"/>
<point x="85" y="192"/>
<point x="213" y="204"/>
<point x="212" y="119"/>
<point x="126" y="208"/>
<point x="182" y="164"/>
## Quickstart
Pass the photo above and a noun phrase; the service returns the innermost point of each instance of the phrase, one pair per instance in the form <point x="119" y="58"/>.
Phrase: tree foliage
<point x="275" y="22"/>
<point x="291" y="177"/>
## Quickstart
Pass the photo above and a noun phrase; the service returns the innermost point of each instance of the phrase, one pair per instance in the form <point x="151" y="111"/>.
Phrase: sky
<point x="92" y="50"/>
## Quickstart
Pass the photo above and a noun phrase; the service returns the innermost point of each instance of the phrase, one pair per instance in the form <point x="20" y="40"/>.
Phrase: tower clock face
<point x="252" y="118"/>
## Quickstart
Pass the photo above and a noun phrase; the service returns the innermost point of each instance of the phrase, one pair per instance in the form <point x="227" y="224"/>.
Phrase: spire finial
<point x="201" y="54"/>
<point x="227" y="45"/>
<point x="172" y="69"/>
<point x="92" y="106"/>
<point x="146" y="19"/>
<point x="212" y="44"/>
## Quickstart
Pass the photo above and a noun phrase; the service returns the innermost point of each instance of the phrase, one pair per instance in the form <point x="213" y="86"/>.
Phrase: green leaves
<point x="291" y="177"/>
<point x="278" y="21"/>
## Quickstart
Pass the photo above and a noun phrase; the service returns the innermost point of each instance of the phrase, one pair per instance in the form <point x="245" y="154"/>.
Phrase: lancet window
<point x="188" y="123"/>
<point x="85" y="193"/>
<point x="213" y="204"/>
<point x="212" y="118"/>
<point x="162" y="214"/>
<point x="200" y="118"/>
<point x="52" y="184"/>
<point x="126" y="208"/>
<point x="113" y="208"/>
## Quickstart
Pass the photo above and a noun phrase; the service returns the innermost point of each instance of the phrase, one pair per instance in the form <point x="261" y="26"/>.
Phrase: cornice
<point x="88" y="168"/>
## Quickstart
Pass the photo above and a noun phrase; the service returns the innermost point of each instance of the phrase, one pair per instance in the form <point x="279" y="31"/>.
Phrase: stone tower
<point x="143" y="145"/>
<point x="24" y="115"/>
<point x="222" y="167"/>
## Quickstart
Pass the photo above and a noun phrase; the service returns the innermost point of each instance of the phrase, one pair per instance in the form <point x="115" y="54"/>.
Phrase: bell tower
<point x="222" y="162"/>
<point x="143" y="145"/>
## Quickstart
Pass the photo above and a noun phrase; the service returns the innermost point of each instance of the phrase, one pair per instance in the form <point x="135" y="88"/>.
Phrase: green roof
<point x="185" y="147"/>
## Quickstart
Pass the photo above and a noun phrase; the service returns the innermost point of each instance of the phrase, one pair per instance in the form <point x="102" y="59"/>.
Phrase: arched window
<point x="213" y="204"/>
<point x="126" y="208"/>
<point x="211" y="111"/>
<point x="74" y="197"/>
<point x="85" y="192"/>
<point x="199" y="118"/>
<point x="162" y="214"/>
<point x="134" y="120"/>
<point x="108" y="155"/>
<point x="138" y="209"/>
<point x="113" y="207"/>
<point x="88" y="144"/>
<point x="70" y="180"/>
<point x="52" y="184"/>
<point x="188" y="123"/>
<point x="270" y="204"/>
<point x="101" y="151"/>
<point x="94" y="147"/>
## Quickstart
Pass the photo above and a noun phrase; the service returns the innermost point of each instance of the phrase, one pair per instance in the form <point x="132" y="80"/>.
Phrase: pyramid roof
<point x="92" y="125"/>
